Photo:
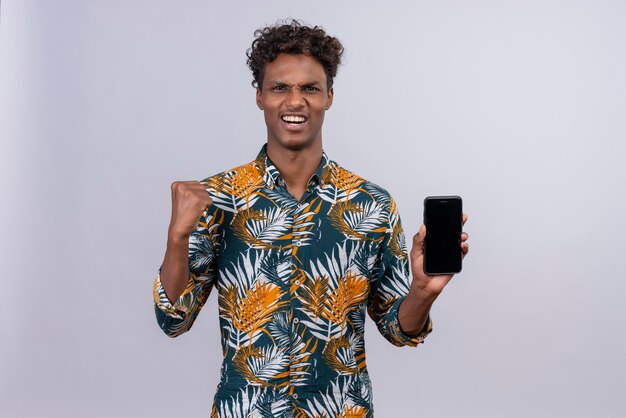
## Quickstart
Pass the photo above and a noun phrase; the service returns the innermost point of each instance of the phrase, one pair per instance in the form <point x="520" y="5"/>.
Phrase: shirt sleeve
<point x="391" y="284"/>
<point x="177" y="317"/>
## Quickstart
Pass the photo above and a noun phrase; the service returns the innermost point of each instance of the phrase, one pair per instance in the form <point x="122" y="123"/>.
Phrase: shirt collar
<point x="271" y="175"/>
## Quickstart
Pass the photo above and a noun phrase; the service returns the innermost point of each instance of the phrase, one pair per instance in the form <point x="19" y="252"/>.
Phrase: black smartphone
<point x="443" y="217"/>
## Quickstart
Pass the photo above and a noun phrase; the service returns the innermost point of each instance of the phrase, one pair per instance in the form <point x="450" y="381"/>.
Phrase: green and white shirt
<point x="294" y="280"/>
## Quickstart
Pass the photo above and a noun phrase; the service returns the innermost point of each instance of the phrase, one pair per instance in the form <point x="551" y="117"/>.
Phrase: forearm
<point x="175" y="267"/>
<point x="414" y="310"/>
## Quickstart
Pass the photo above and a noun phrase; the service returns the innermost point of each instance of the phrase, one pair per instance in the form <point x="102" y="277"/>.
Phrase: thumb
<point x="418" y="242"/>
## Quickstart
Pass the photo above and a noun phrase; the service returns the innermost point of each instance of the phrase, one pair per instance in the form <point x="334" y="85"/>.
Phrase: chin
<point x="296" y="144"/>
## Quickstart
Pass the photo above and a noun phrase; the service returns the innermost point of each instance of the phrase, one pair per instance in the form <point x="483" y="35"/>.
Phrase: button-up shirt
<point x="294" y="280"/>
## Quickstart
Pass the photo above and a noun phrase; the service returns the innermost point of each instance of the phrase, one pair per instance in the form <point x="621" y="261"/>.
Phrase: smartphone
<point x="443" y="218"/>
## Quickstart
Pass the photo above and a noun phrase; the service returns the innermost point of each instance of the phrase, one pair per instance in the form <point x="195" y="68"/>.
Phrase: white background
<point x="518" y="106"/>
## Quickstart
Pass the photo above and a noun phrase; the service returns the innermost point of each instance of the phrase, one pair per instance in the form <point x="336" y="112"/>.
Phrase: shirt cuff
<point x="162" y="302"/>
<point x="402" y="337"/>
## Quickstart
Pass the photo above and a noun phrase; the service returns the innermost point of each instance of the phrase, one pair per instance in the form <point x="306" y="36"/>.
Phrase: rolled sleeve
<point x="391" y="285"/>
<point x="400" y="335"/>
<point x="177" y="317"/>
<point x="176" y="310"/>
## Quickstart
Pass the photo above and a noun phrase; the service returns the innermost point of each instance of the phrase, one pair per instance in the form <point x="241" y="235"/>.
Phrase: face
<point x="294" y="98"/>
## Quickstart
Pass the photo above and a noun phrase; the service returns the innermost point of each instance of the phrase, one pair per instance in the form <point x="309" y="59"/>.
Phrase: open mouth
<point x="297" y="119"/>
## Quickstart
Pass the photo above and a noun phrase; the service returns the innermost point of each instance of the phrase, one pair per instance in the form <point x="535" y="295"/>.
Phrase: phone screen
<point x="443" y="217"/>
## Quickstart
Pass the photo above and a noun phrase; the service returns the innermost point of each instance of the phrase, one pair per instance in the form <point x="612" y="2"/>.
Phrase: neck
<point x="295" y="166"/>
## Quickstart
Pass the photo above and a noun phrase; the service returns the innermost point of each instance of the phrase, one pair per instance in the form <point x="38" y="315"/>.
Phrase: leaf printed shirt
<point x="294" y="281"/>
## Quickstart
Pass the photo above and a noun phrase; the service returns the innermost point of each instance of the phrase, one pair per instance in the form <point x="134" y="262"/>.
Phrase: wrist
<point x="177" y="238"/>
<point x="422" y="295"/>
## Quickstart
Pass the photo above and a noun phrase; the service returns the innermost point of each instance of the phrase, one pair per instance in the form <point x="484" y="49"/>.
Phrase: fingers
<point x="464" y="237"/>
<point x="464" y="244"/>
<point x="187" y="189"/>
<point x="190" y="201"/>
<point x="464" y="249"/>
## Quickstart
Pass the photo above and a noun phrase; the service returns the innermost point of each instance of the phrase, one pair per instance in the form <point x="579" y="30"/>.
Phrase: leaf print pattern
<point x="352" y="289"/>
<point x="357" y="221"/>
<point x="235" y="189"/>
<point x="301" y="352"/>
<point x="314" y="295"/>
<point x="295" y="279"/>
<point x="338" y="356"/>
<point x="261" y="228"/>
<point x="255" y="309"/>
<point x="260" y="365"/>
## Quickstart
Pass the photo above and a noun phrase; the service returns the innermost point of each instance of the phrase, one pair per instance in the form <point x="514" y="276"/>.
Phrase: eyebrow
<point x="307" y="84"/>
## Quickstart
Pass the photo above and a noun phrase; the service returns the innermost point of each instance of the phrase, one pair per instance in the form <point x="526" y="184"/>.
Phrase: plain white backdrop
<point x="518" y="106"/>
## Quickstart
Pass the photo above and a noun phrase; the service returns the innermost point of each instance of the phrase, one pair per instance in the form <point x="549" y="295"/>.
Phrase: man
<point x="298" y="247"/>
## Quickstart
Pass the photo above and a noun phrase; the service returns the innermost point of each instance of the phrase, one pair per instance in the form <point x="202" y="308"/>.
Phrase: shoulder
<point x="250" y="172"/>
<point x="233" y="189"/>
<point x="343" y="179"/>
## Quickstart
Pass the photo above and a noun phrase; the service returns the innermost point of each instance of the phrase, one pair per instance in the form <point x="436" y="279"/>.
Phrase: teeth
<point x="294" y="119"/>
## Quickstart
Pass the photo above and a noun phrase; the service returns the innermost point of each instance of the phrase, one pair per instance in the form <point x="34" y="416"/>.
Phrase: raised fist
<point x="189" y="200"/>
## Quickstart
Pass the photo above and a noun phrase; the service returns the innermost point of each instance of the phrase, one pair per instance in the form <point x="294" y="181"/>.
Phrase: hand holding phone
<point x="443" y="218"/>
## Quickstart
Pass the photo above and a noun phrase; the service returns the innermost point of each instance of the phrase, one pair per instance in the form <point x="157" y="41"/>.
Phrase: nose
<point x="295" y="99"/>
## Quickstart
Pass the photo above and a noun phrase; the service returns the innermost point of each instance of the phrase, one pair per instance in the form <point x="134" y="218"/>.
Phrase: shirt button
<point x="297" y="282"/>
<point x="296" y="320"/>
<point x="295" y="395"/>
<point x="298" y="243"/>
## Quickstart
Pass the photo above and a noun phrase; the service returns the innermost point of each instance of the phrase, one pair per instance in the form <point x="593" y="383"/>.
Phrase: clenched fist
<point x="189" y="200"/>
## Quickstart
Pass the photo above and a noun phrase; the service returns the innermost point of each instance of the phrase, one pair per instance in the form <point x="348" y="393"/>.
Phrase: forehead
<point x="294" y="69"/>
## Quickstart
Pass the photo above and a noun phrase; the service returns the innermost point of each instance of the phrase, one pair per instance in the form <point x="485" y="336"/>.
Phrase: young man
<point x="298" y="248"/>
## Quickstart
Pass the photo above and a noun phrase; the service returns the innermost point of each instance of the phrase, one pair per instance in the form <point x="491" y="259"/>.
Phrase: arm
<point x="391" y="284"/>
<point x="414" y="310"/>
<point x="174" y="271"/>
<point x="189" y="200"/>
<point x="186" y="276"/>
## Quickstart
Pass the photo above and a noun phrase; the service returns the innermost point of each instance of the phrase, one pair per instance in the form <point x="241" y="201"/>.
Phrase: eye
<point x="311" y="89"/>
<point x="279" y="88"/>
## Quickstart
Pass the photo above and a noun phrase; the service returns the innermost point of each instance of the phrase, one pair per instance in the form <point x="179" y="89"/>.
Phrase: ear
<point x="329" y="100"/>
<point x="259" y="102"/>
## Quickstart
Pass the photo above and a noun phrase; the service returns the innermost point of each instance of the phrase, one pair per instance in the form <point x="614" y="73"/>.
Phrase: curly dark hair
<point x="292" y="37"/>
